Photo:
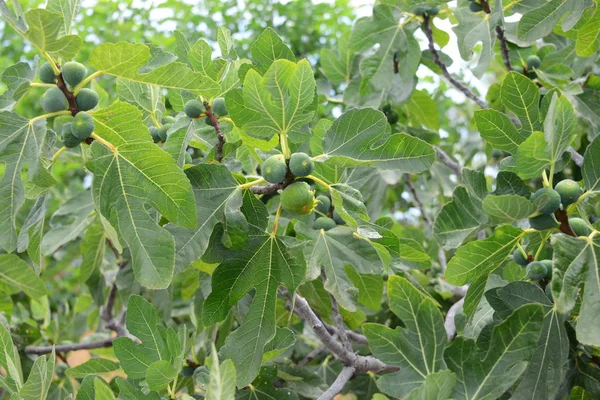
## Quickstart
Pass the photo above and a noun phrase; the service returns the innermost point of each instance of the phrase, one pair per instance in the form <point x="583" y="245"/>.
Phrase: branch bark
<point x="338" y="385"/>
<point x="436" y="58"/>
<point x="417" y="199"/>
<point x="503" y="47"/>
<point x="214" y="120"/>
<point x="346" y="357"/>
<point x="449" y="323"/>
<point x="64" y="348"/>
<point x="449" y="162"/>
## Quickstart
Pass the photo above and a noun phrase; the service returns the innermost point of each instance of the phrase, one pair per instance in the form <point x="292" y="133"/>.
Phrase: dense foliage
<point x="220" y="218"/>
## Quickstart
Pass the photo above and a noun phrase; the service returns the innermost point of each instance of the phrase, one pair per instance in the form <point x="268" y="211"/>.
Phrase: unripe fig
<point x="475" y="7"/>
<point x="536" y="270"/>
<point x="301" y="164"/>
<point x="188" y="158"/>
<point x="193" y="108"/>
<point x="324" y="223"/>
<point x="73" y="73"/>
<point x="393" y="117"/>
<point x="546" y="200"/>
<point x="69" y="140"/>
<point x="298" y="199"/>
<point x="323" y="205"/>
<point x="519" y="258"/>
<point x="83" y="125"/>
<point x="162" y="131"/>
<point x="154" y="133"/>
<point x="543" y="222"/>
<point x="218" y="107"/>
<point x="46" y="73"/>
<point x="579" y="227"/>
<point x="533" y="62"/>
<point x="60" y="121"/>
<point x="569" y="191"/>
<point x="53" y="100"/>
<point x="338" y="218"/>
<point x="86" y="99"/>
<point x="274" y="169"/>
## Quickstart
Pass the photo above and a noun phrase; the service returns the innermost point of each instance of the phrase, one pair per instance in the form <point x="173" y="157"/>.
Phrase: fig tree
<point x="193" y="108"/>
<point x="579" y="227"/>
<point x="46" y="73"/>
<point x="86" y="99"/>
<point x="73" y="73"/>
<point x="536" y="270"/>
<point x="546" y="200"/>
<point x="218" y="107"/>
<point x="543" y="222"/>
<point x="533" y="62"/>
<point x="83" y="125"/>
<point x="69" y="140"/>
<point x="274" y="169"/>
<point x="569" y="191"/>
<point x="301" y="164"/>
<point x="324" y="223"/>
<point x="53" y="100"/>
<point x="298" y="199"/>
<point x="323" y="205"/>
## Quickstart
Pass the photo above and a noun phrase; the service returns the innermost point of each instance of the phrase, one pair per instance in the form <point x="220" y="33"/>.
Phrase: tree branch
<point x="64" y="348"/>
<point x="449" y="162"/>
<point x="577" y="158"/>
<point x="214" y="120"/>
<point x="338" y="385"/>
<point x="347" y="358"/>
<point x="353" y="336"/>
<point x="267" y="189"/>
<point x="449" y="323"/>
<point x="436" y="58"/>
<point x="417" y="200"/>
<point x="503" y="47"/>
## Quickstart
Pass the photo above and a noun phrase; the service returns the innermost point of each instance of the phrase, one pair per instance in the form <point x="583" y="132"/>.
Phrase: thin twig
<point x="436" y="58"/>
<point x="338" y="385"/>
<point x="564" y="227"/>
<point x="311" y="356"/>
<point x="449" y="162"/>
<point x="417" y="200"/>
<point x="577" y="158"/>
<point x="503" y="47"/>
<point x="353" y="336"/>
<point x="347" y="358"/>
<point x="214" y="120"/>
<point x="449" y="323"/>
<point x="64" y="348"/>
<point x="337" y="318"/>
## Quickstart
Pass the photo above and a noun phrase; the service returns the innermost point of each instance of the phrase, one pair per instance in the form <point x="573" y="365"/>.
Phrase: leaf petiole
<point x="86" y="81"/>
<point x="58" y="153"/>
<point x="319" y="181"/>
<point x="276" y="221"/>
<point x="248" y="185"/>
<point x="49" y="115"/>
<point x="106" y="144"/>
<point x="39" y="84"/>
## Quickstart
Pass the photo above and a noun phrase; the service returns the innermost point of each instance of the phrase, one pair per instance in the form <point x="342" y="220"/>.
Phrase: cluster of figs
<point x="73" y="129"/>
